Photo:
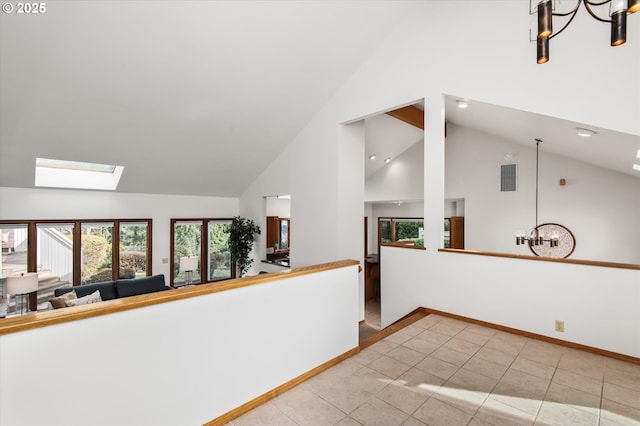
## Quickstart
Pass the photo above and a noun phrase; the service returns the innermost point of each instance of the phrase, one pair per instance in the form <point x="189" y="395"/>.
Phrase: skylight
<point x="76" y="174"/>
<point x="74" y="165"/>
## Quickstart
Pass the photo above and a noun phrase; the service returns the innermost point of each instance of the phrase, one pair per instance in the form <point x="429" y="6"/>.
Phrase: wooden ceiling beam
<point x="410" y="115"/>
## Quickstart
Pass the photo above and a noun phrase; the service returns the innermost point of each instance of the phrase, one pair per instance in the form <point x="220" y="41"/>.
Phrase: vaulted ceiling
<point x="198" y="97"/>
<point x="606" y="148"/>
<point x="192" y="97"/>
<point x="390" y="134"/>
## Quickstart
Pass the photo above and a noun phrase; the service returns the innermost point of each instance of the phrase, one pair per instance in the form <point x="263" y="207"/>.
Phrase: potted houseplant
<point x="242" y="234"/>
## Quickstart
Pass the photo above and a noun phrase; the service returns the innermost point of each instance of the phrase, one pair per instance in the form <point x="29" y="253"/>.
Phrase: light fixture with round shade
<point x="559" y="240"/>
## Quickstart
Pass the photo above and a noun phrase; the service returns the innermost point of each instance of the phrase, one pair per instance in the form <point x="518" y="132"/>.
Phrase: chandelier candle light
<point x="618" y="11"/>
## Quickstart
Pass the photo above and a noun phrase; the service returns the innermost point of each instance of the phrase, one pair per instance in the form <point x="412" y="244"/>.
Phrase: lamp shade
<point x="22" y="283"/>
<point x="188" y="263"/>
<point x="545" y="10"/>
<point x="618" y="28"/>
<point x="543" y="50"/>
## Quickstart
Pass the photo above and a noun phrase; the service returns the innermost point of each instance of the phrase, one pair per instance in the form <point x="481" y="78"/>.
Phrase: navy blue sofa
<point x="116" y="289"/>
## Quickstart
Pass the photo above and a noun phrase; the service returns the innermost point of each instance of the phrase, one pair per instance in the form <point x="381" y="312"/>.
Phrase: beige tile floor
<point x="441" y="371"/>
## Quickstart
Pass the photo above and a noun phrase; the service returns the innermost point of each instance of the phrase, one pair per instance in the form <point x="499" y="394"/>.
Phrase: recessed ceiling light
<point x="386" y="160"/>
<point x="372" y="157"/>
<point x="638" y="154"/>
<point x="462" y="104"/>
<point x="636" y="167"/>
<point x="585" y="133"/>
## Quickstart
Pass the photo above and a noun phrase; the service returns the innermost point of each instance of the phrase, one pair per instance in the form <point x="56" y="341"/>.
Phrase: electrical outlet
<point x="165" y="260"/>
<point x="560" y="326"/>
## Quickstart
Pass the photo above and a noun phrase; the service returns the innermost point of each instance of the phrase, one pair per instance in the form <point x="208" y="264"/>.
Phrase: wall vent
<point x="507" y="177"/>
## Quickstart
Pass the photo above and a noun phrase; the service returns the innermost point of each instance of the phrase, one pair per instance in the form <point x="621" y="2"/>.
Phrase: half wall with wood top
<point x="185" y="356"/>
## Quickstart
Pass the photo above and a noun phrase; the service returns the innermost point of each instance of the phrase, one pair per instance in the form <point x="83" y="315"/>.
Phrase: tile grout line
<point x="527" y="352"/>
<point x="447" y="380"/>
<point x="501" y="377"/>
<point x="604" y="371"/>
<point x="544" y="398"/>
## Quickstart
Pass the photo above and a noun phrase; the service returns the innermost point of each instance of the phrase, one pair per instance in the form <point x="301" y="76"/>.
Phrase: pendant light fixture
<point x="560" y="241"/>
<point x="618" y="11"/>
<point x="535" y="236"/>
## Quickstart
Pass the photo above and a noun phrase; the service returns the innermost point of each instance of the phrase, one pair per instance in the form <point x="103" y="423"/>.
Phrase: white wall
<point x="23" y="203"/>
<point x="416" y="62"/>
<point x="402" y="179"/>
<point x="403" y="209"/>
<point x="350" y="190"/>
<point x="597" y="205"/>
<point x="179" y="363"/>
<point x="280" y="207"/>
<point x="525" y="295"/>
<point x="403" y="271"/>
<point x="453" y="207"/>
<point x="305" y="173"/>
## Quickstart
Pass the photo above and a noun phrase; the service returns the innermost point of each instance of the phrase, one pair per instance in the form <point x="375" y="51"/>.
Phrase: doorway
<point x="394" y="182"/>
<point x="278" y="233"/>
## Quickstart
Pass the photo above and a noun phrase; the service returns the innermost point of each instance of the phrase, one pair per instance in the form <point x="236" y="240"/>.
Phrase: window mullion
<point x="115" y="250"/>
<point x="149" y="248"/>
<point x="77" y="252"/>
<point x="32" y="260"/>
<point x="204" y="251"/>
<point x="393" y="231"/>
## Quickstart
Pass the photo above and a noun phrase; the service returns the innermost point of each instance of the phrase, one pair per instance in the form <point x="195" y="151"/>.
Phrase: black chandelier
<point x="618" y="11"/>
<point x="561" y="241"/>
<point x="535" y="236"/>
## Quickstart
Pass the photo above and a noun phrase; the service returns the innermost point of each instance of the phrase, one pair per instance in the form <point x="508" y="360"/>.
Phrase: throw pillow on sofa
<point x="107" y="290"/>
<point x="61" y="301"/>
<point x="90" y="298"/>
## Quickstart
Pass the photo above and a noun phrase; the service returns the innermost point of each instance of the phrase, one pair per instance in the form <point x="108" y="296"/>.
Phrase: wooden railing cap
<point x="58" y="316"/>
